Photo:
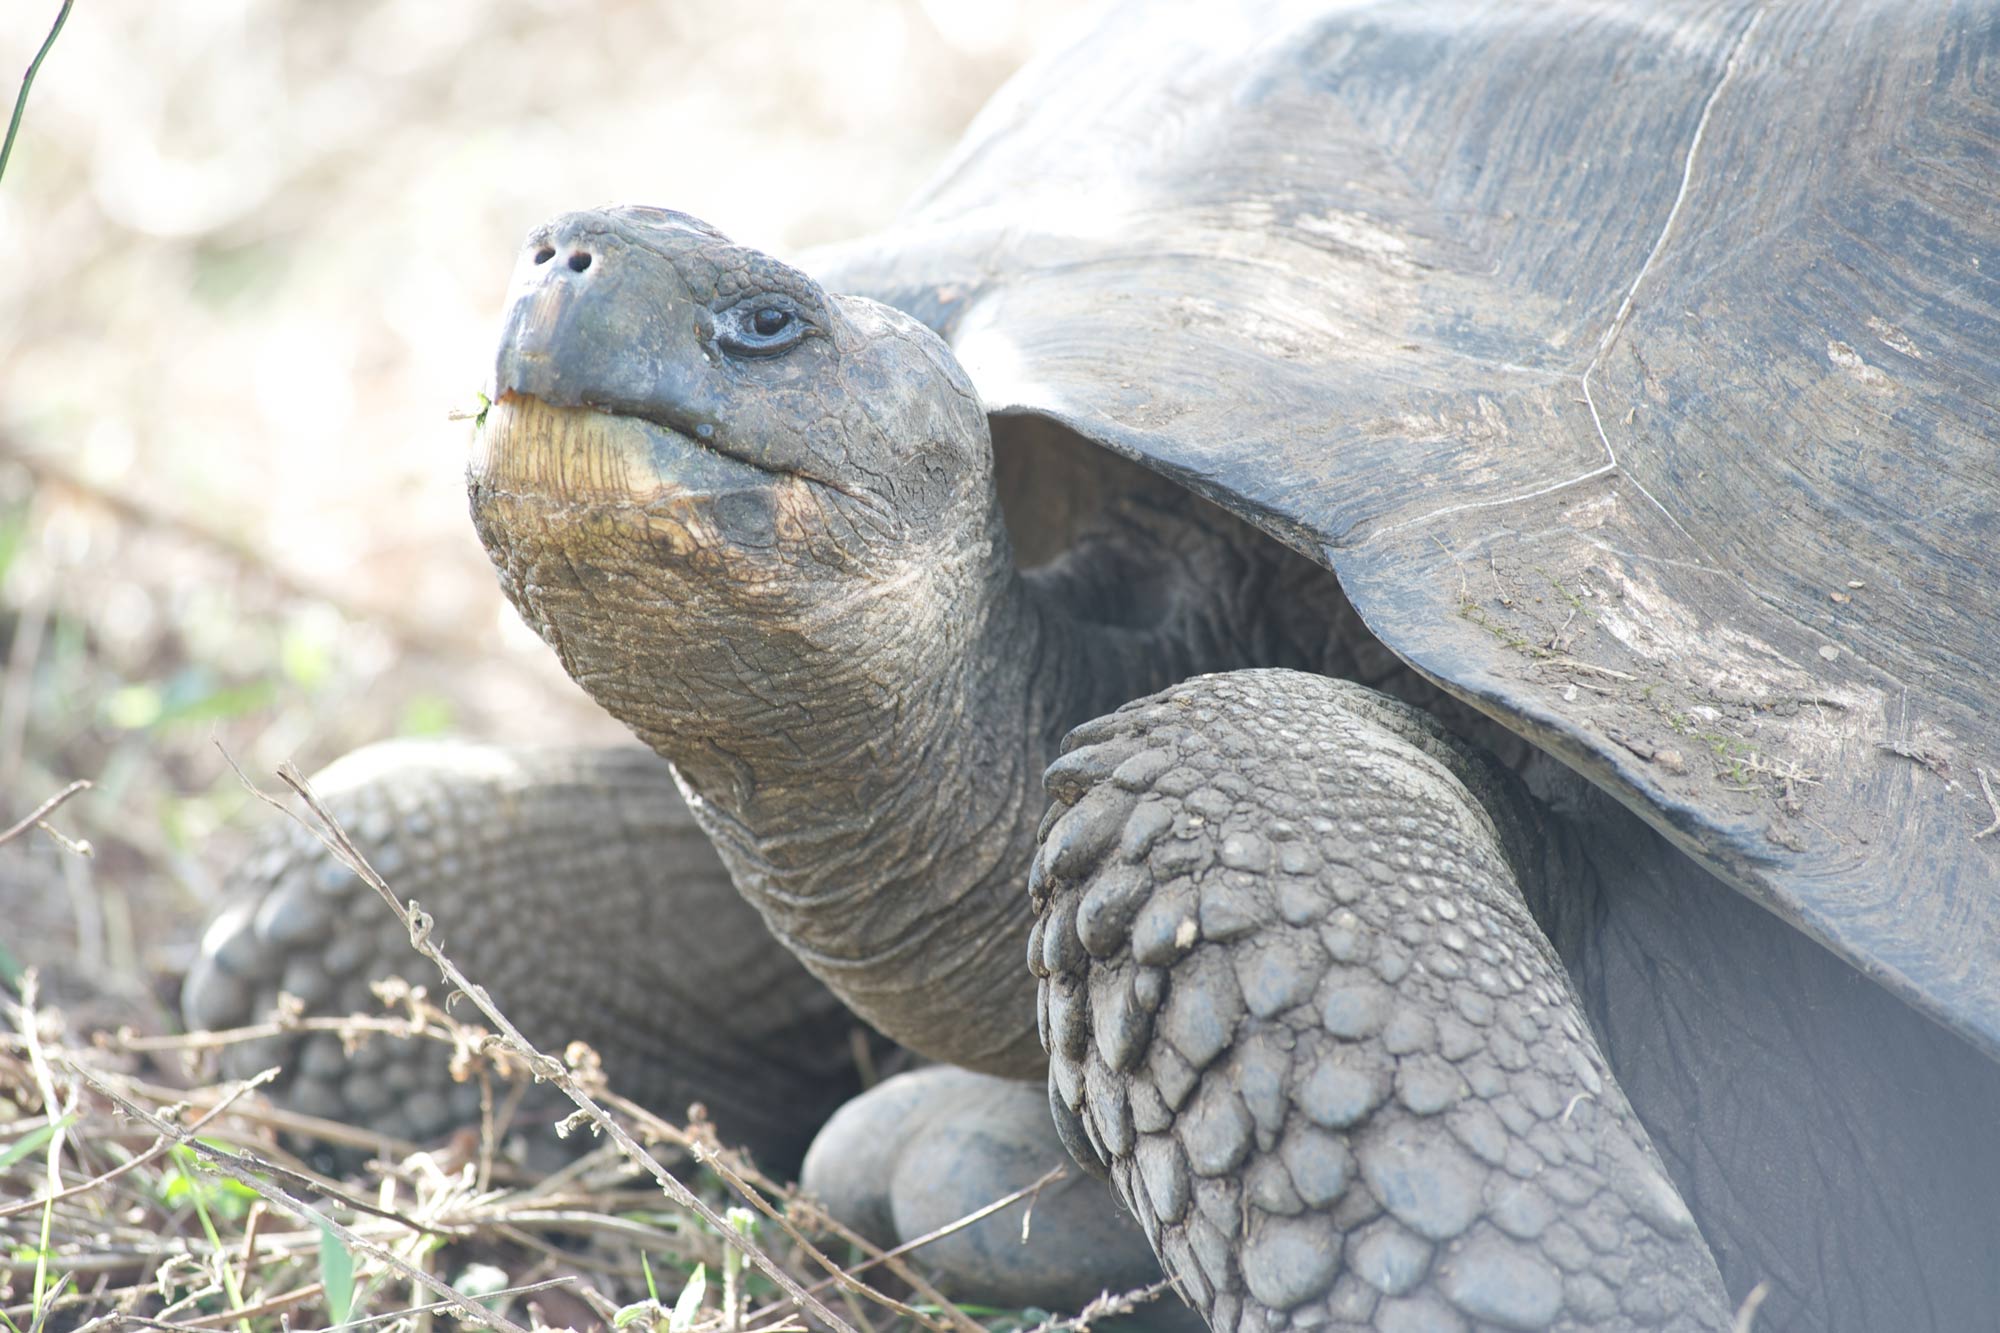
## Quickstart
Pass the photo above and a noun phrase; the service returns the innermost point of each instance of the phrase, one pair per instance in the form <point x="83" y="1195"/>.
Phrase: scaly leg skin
<point x="919" y="1151"/>
<point x="1296" y="1005"/>
<point x="574" y="886"/>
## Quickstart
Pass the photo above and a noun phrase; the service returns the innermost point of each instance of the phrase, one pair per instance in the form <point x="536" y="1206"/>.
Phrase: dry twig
<point x="546" y="1067"/>
<point x="1105" y="1306"/>
<point x="1034" y="1187"/>
<point x="753" y="1186"/>
<point x="43" y="811"/>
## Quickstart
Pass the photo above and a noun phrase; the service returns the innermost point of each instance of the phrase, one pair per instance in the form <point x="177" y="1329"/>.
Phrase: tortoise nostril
<point x="544" y="255"/>
<point x="578" y="261"/>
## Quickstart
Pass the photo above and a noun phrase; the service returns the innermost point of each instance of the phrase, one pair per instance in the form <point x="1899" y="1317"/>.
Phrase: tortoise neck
<point x="887" y="840"/>
<point x="881" y="813"/>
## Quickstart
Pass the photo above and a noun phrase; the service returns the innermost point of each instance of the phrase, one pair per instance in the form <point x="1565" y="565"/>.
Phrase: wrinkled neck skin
<point x="865" y="746"/>
<point x="875" y="790"/>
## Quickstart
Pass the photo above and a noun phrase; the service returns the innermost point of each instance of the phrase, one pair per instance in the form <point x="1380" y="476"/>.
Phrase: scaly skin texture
<point x="576" y="888"/>
<point x="758" y="524"/>
<point x="1297" y="1006"/>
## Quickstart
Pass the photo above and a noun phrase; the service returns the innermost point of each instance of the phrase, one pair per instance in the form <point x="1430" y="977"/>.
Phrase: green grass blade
<point x="336" y="1274"/>
<point x="32" y="1140"/>
<point x="689" y="1305"/>
<point x="27" y="82"/>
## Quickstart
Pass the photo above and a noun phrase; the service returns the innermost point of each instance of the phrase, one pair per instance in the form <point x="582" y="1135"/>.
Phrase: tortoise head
<point x="701" y="475"/>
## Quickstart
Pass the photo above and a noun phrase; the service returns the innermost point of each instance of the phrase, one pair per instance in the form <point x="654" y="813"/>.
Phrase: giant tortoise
<point x="1483" y="517"/>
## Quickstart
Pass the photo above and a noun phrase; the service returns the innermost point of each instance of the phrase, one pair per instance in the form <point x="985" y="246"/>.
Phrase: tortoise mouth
<point x="527" y="446"/>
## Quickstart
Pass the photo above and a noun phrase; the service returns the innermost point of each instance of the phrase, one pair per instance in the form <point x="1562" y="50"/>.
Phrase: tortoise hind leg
<point x="1297" y="1008"/>
<point x="575" y="886"/>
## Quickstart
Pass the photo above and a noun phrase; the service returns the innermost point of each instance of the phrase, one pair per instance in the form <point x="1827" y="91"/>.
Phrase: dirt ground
<point x="258" y="251"/>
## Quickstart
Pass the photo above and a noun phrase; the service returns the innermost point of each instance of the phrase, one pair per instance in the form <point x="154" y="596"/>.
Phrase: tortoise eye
<point x="762" y="326"/>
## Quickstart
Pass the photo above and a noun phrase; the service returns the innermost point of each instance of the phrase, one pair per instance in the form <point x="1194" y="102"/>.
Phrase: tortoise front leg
<point x="1297" y="1008"/>
<point x="575" y="886"/>
<point x="915" y="1154"/>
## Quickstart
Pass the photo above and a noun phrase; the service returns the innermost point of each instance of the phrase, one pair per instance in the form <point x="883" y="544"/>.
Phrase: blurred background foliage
<point x="255" y="254"/>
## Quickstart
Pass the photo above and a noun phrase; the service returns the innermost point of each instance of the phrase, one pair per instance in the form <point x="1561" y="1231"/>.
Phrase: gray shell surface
<point x="1636" y="366"/>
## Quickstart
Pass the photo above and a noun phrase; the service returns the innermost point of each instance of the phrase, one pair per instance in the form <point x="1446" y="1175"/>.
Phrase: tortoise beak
<point x="596" y="321"/>
<point x="610" y="310"/>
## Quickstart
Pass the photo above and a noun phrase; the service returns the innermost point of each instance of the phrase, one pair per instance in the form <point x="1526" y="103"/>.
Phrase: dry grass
<point x="138" y="1202"/>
